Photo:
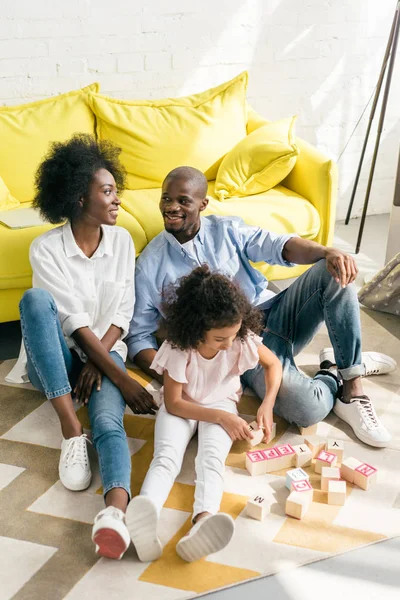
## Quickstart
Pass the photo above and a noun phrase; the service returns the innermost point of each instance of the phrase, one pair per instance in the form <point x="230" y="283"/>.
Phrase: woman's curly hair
<point x="65" y="174"/>
<point x="202" y="301"/>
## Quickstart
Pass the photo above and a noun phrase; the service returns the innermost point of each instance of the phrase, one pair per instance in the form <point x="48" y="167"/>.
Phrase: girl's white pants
<point x="171" y="437"/>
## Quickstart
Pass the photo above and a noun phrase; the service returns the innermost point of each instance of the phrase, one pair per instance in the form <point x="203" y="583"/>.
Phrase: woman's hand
<point x="137" y="398"/>
<point x="88" y="377"/>
<point x="265" y="419"/>
<point x="236" y="427"/>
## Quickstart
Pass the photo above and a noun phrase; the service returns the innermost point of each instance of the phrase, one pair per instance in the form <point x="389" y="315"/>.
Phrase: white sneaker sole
<point x="360" y="434"/>
<point x="214" y="535"/>
<point x="76" y="486"/>
<point x="141" y="520"/>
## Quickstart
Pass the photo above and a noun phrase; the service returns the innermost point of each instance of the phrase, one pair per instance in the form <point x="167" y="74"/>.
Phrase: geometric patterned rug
<point x="45" y="545"/>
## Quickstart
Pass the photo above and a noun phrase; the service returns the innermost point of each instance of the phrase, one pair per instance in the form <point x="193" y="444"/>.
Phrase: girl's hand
<point x="235" y="427"/>
<point x="88" y="377"/>
<point x="265" y="419"/>
<point x="137" y="398"/>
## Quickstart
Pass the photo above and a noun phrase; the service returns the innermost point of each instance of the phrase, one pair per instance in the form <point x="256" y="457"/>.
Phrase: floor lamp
<point x="390" y="57"/>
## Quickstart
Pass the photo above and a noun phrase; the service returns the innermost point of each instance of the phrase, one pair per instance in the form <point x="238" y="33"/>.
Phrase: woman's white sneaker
<point x="142" y="520"/>
<point x="360" y="414"/>
<point x="210" y="534"/>
<point x="74" y="466"/>
<point x="375" y="363"/>
<point x="110" y="533"/>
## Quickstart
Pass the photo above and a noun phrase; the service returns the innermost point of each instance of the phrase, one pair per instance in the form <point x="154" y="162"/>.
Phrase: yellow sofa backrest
<point x="26" y="132"/>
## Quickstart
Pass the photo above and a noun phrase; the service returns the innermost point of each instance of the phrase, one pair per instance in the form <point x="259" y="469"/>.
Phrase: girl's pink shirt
<point x="208" y="381"/>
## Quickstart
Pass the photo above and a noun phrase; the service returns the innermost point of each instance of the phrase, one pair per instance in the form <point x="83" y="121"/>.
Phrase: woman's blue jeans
<point x="290" y="324"/>
<point x="53" y="369"/>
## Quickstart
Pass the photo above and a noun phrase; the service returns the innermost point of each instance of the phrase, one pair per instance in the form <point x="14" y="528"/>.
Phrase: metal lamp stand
<point x="391" y="49"/>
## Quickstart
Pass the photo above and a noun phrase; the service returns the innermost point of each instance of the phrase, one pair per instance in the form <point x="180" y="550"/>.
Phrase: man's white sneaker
<point x="74" y="467"/>
<point x="375" y="363"/>
<point x="210" y="534"/>
<point x="110" y="533"/>
<point x="360" y="415"/>
<point x="141" y="520"/>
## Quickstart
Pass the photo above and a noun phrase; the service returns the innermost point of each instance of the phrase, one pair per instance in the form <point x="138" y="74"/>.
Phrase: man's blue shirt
<point x="226" y="244"/>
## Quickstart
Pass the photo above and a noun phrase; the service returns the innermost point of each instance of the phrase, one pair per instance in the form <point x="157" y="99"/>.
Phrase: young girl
<point x="75" y="317"/>
<point x="210" y="342"/>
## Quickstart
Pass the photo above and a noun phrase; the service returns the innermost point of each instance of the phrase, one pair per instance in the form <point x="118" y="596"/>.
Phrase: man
<point x="292" y="317"/>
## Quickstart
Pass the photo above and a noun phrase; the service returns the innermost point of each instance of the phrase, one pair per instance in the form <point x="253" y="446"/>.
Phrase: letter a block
<point x="257" y="508"/>
<point x="303" y="455"/>
<point x="315" y="444"/>
<point x="303" y="487"/>
<point x="258" y="434"/>
<point x="336" y="447"/>
<point x="365" y="475"/>
<point x="256" y="463"/>
<point x="295" y="475"/>
<point x="328" y="474"/>
<point x="297" y="504"/>
<point x="324" y="459"/>
<point x="336" y="492"/>
<point x="348" y="467"/>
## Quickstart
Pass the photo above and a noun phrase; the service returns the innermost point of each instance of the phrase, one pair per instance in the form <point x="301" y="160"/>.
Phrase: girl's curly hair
<point x="65" y="174"/>
<point x="202" y="301"/>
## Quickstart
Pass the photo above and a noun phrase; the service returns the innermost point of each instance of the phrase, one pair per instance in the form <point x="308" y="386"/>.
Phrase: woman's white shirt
<point x="94" y="292"/>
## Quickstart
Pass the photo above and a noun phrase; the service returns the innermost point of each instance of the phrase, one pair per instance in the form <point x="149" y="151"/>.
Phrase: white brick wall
<point x="319" y="59"/>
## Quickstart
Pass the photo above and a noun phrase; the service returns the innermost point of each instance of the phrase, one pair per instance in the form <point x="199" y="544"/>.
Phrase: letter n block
<point x="348" y="467"/>
<point x="365" y="476"/>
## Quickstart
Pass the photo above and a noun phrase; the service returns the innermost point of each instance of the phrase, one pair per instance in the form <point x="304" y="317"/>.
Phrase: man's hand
<point x="341" y="266"/>
<point x="265" y="419"/>
<point x="137" y="398"/>
<point x="89" y="376"/>
<point x="236" y="427"/>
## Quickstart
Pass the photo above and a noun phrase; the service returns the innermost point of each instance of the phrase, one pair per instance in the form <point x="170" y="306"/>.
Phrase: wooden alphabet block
<point x="273" y="433"/>
<point x="348" y="467"/>
<point x="256" y="463"/>
<point x="365" y="476"/>
<point x="297" y="504"/>
<point x="325" y="459"/>
<point x="257" y="508"/>
<point x="336" y="492"/>
<point x="258" y="434"/>
<point x="336" y="447"/>
<point x="295" y="475"/>
<point x="303" y="455"/>
<point x="315" y="444"/>
<point x="311" y="430"/>
<point x="303" y="487"/>
<point x="328" y="474"/>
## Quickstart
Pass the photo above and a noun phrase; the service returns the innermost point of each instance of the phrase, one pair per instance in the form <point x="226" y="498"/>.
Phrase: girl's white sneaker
<point x="110" y="533"/>
<point x="141" y="520"/>
<point x="210" y="534"/>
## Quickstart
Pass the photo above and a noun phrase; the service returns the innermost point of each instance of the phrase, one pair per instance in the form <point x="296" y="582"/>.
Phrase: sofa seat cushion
<point x="157" y="136"/>
<point x="279" y="210"/>
<point x="26" y="132"/>
<point x="15" y="269"/>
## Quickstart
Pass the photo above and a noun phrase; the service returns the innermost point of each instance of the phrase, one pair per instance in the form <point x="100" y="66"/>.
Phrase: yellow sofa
<point x="304" y="202"/>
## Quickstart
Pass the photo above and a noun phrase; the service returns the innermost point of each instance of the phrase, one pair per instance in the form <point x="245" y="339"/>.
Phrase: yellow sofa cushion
<point x="27" y="130"/>
<point x="6" y="200"/>
<point x="258" y="162"/>
<point x="158" y="136"/>
<point x="279" y="210"/>
<point x="15" y="269"/>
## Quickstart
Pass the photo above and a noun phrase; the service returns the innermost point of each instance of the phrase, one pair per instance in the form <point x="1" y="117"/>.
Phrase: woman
<point x="74" y="318"/>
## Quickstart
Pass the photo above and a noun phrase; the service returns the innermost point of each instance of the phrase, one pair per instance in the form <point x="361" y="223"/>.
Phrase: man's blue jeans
<point x="53" y="369"/>
<point x="290" y="324"/>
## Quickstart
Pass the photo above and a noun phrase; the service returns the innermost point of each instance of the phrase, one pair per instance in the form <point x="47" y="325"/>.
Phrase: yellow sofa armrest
<point x="314" y="177"/>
